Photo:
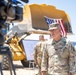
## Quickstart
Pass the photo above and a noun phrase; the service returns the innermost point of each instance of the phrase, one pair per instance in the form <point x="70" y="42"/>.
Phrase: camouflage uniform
<point x="59" y="58"/>
<point x="38" y="55"/>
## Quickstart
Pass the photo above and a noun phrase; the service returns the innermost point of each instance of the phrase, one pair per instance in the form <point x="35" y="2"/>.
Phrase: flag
<point x="51" y="20"/>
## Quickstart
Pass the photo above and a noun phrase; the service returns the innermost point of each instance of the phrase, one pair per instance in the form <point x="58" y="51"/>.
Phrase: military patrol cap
<point x="53" y="26"/>
<point x="41" y="35"/>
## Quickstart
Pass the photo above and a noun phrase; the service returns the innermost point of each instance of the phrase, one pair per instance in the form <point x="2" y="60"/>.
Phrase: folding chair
<point x="31" y="62"/>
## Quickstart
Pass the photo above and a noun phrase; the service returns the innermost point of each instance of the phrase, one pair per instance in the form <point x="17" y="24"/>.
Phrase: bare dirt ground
<point x="20" y="70"/>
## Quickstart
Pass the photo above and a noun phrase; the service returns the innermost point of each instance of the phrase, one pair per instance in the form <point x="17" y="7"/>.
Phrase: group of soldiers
<point x="56" y="56"/>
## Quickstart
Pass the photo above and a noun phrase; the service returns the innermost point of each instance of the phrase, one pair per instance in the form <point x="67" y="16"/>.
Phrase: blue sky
<point x="69" y="6"/>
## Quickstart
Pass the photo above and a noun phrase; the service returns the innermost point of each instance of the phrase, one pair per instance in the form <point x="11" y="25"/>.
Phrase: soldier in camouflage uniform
<point x="58" y="54"/>
<point x="38" y="53"/>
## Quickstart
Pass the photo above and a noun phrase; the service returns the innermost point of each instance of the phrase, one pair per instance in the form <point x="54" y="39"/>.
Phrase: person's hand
<point x="44" y="73"/>
<point x="35" y="62"/>
<point x="71" y="74"/>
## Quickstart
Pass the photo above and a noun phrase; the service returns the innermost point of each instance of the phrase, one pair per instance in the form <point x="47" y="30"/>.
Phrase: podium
<point x="5" y="50"/>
